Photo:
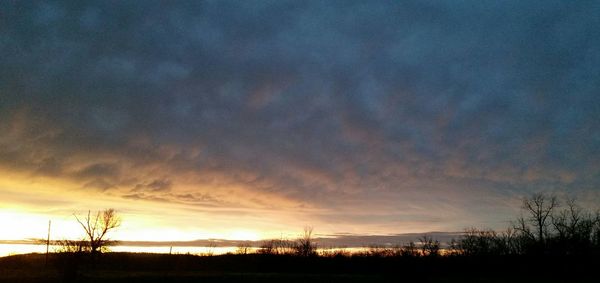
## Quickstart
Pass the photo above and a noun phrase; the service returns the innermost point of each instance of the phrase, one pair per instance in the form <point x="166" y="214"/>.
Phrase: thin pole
<point x="48" y="241"/>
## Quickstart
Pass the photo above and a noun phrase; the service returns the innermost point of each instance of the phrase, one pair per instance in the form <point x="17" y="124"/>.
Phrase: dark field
<point x="128" y="267"/>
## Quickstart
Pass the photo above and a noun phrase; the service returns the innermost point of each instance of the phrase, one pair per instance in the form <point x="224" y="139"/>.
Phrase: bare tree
<point x="521" y="225"/>
<point x="267" y="247"/>
<point x="596" y="231"/>
<point x="305" y="245"/>
<point x="575" y="228"/>
<point x="540" y="208"/>
<point x="243" y="248"/>
<point x="488" y="242"/>
<point x="97" y="227"/>
<point x="278" y="247"/>
<point x="429" y="246"/>
<point x="567" y="221"/>
<point x="409" y="250"/>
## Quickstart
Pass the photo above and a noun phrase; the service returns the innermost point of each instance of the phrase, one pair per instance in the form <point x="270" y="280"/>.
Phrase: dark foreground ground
<point x="131" y="268"/>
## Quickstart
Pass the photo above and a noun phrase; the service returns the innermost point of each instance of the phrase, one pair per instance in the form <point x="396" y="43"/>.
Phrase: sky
<point x="254" y="119"/>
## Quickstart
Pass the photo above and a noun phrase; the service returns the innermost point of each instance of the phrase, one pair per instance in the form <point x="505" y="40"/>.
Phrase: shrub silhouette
<point x="305" y="245"/>
<point x="71" y="246"/>
<point x="409" y="250"/>
<point x="429" y="246"/>
<point x="243" y="248"/>
<point x="277" y="247"/>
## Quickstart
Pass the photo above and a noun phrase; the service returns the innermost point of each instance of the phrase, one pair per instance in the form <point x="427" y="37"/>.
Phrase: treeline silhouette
<point x="551" y="241"/>
<point x="545" y="228"/>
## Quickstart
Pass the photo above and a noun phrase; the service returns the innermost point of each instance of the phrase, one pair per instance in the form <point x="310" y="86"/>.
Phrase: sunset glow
<point x="251" y="120"/>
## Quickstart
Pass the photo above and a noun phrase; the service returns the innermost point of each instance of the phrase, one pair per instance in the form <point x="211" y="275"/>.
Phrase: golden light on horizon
<point x="31" y="203"/>
<point x="26" y="226"/>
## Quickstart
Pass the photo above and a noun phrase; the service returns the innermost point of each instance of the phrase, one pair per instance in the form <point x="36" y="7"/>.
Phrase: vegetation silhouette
<point x="304" y="246"/>
<point x="552" y="241"/>
<point x="545" y="229"/>
<point x="72" y="254"/>
<point x="97" y="227"/>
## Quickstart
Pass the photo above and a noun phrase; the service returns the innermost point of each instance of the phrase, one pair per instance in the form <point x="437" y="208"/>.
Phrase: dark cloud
<point x="154" y="186"/>
<point x="204" y="200"/>
<point x="99" y="170"/>
<point x="323" y="103"/>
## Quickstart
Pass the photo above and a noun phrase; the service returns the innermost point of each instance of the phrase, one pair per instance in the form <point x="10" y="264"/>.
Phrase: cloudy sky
<point x="248" y="119"/>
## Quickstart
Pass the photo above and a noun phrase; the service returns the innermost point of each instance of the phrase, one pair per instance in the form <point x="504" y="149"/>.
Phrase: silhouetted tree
<point x="454" y="248"/>
<point x="305" y="245"/>
<point x="477" y="242"/>
<point x="243" y="248"/>
<point x="543" y="228"/>
<point x="596" y="232"/>
<point x="409" y="250"/>
<point x="97" y="226"/>
<point x="539" y="208"/>
<point x="429" y="246"/>
<point x="488" y="242"/>
<point x="277" y="247"/>
<point x="575" y="229"/>
<point x="267" y="247"/>
<point x="380" y="251"/>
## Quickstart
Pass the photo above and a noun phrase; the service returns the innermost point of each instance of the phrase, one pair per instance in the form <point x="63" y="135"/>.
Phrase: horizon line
<point x="339" y="239"/>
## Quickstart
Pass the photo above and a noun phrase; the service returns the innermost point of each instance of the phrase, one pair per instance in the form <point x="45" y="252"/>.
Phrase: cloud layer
<point x="394" y="116"/>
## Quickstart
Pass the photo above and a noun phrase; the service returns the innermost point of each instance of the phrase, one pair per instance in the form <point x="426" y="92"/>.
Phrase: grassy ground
<point x="131" y="268"/>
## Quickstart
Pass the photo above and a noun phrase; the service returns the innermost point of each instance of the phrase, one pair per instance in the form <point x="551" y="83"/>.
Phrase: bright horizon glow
<point x="34" y="226"/>
<point x="28" y="213"/>
<point x="32" y="202"/>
